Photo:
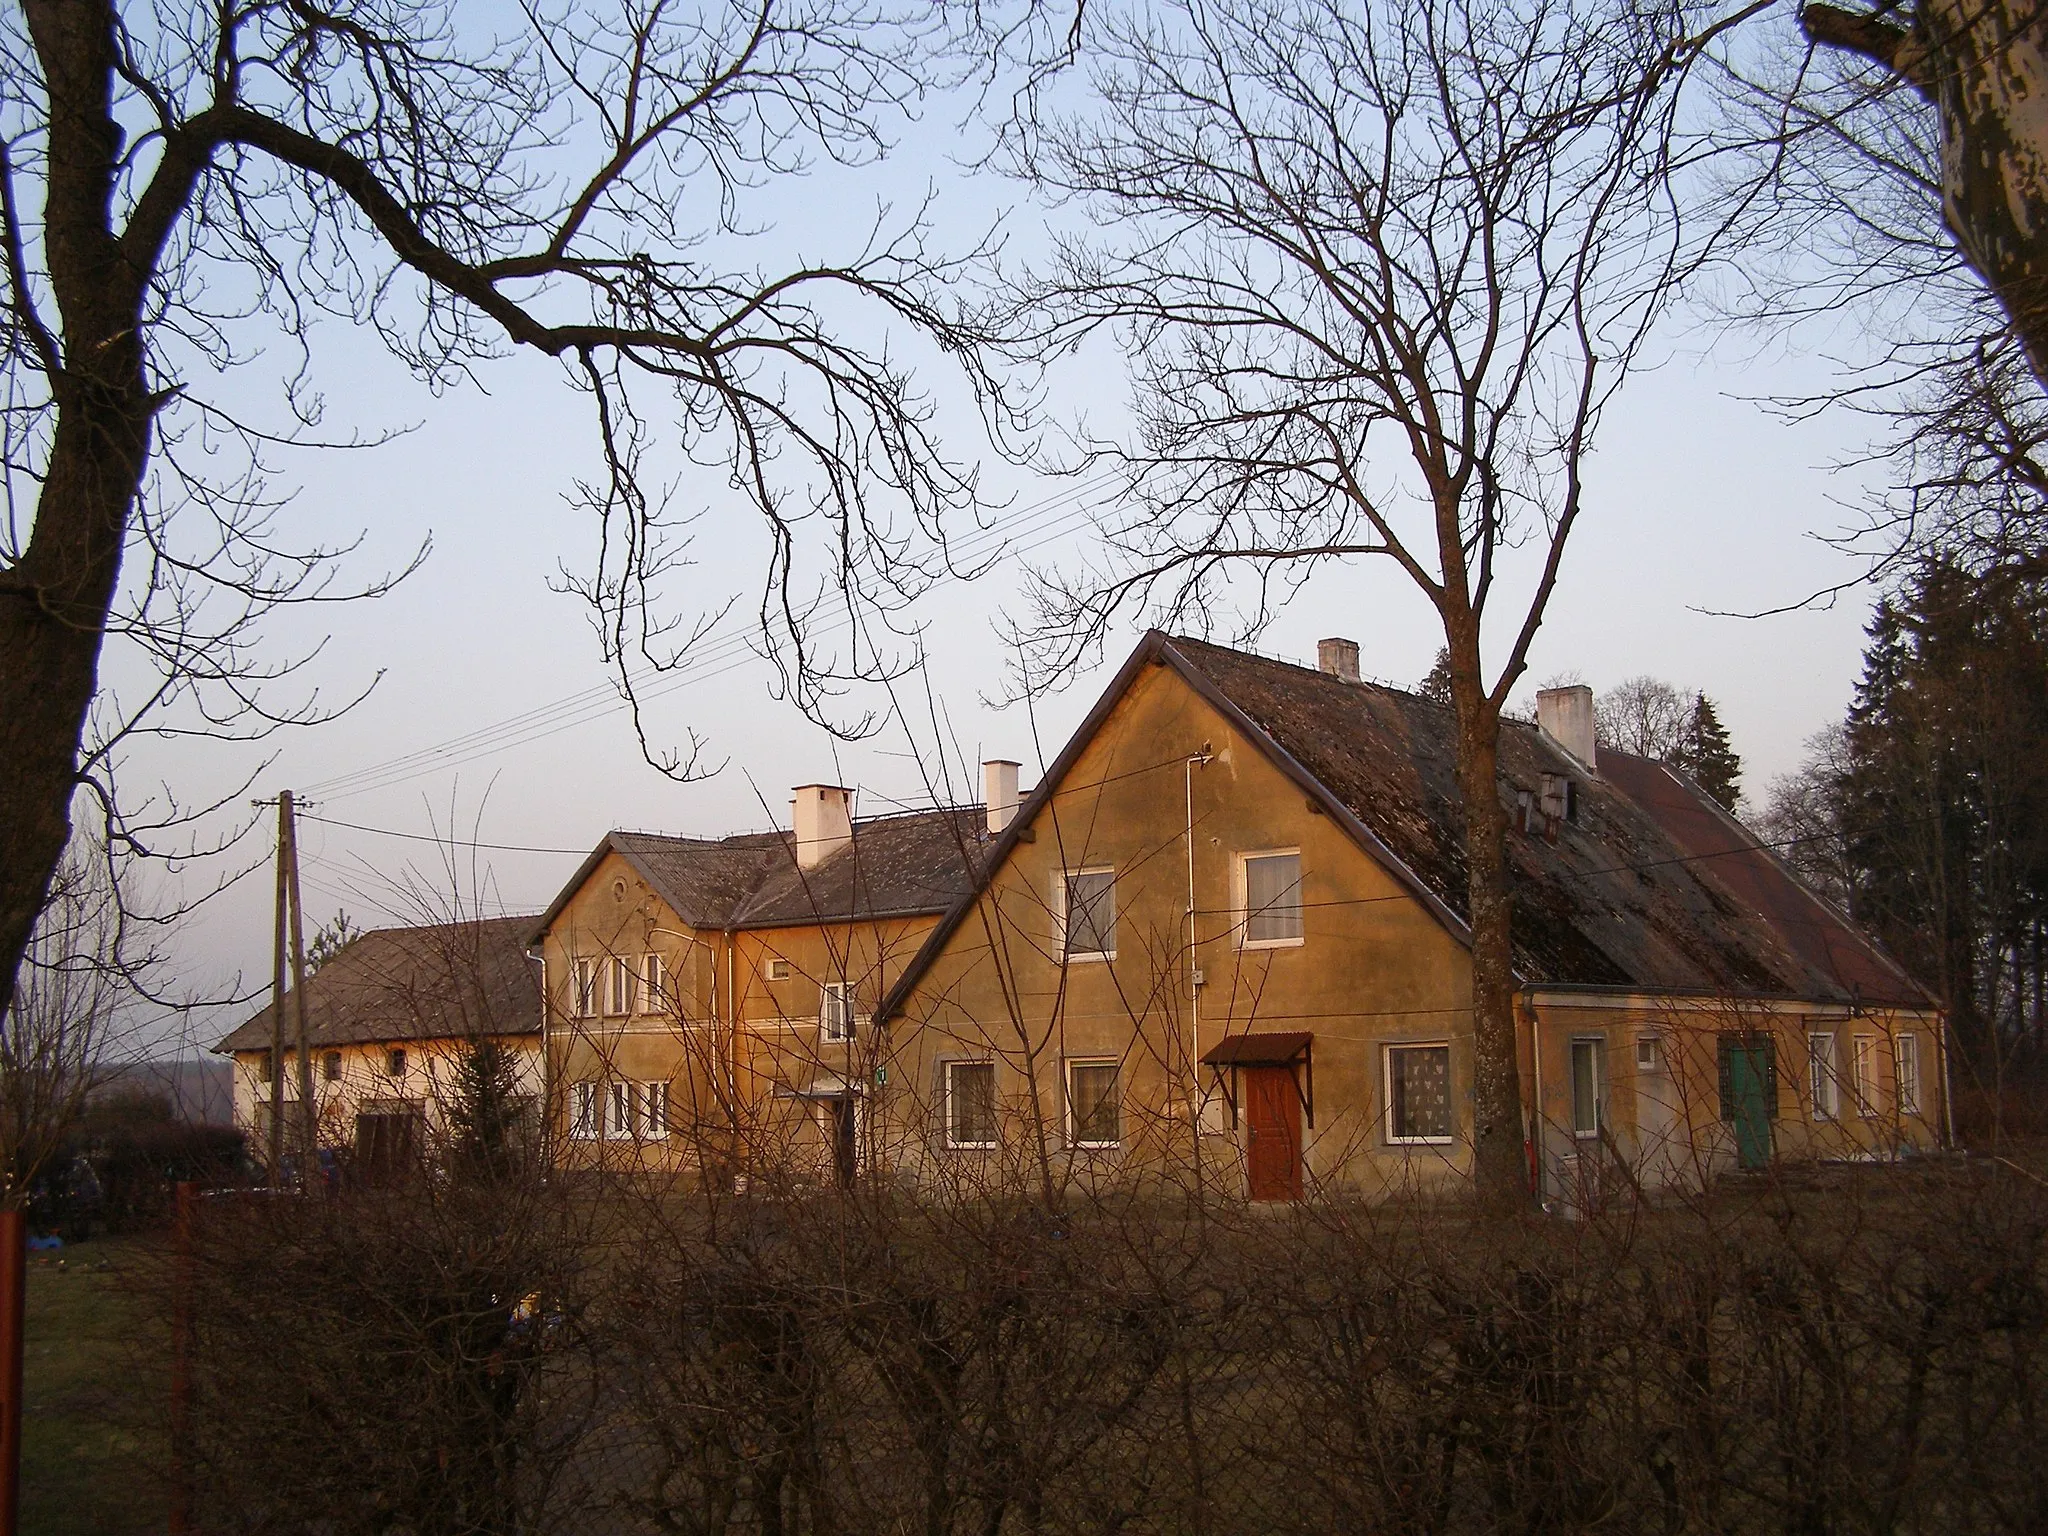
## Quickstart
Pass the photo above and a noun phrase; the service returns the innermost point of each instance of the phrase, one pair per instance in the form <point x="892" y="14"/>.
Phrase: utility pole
<point x="288" y="854"/>
<point x="276" y="1149"/>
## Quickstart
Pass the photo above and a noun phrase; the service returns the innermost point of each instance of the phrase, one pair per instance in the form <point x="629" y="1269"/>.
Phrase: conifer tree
<point x="1705" y="753"/>
<point x="1436" y="683"/>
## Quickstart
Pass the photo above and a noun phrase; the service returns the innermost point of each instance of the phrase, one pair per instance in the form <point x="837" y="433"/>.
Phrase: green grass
<point x="82" y="1467"/>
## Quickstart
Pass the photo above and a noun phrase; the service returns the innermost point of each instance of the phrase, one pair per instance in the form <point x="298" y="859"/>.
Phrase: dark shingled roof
<point x="1654" y="887"/>
<point x="915" y="863"/>
<point x="442" y="981"/>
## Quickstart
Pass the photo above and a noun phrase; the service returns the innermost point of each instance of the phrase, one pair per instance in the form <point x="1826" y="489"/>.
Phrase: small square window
<point x="1094" y="1114"/>
<point x="835" y="1011"/>
<point x="970" y="1104"/>
<point x="778" y="970"/>
<point x="330" y="1066"/>
<point x="1419" y="1093"/>
<point x="394" y="1064"/>
<point x="1272" y="898"/>
<point x="1088" y="909"/>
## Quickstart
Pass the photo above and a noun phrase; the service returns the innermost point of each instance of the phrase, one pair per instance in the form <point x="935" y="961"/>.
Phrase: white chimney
<point x="1565" y="715"/>
<point x="1338" y="657"/>
<point x="999" y="791"/>
<point x="823" y="816"/>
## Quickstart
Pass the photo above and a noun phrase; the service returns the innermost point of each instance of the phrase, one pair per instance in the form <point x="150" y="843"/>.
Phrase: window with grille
<point x="835" y="1011"/>
<point x="1419" y="1093"/>
<point x="970" y="1103"/>
<point x="1272" y="898"/>
<point x="1094" y="1115"/>
<point x="1089" y="910"/>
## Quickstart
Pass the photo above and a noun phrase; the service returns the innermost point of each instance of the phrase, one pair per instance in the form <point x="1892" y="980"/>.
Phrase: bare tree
<point x="59" y="1023"/>
<point x="1644" y="715"/>
<point x="180" y="184"/>
<point x="1380" y="269"/>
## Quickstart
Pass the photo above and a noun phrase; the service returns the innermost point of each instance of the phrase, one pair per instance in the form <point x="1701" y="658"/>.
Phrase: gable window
<point x="586" y="1111"/>
<point x="618" y="991"/>
<point x="970" y="1104"/>
<point x="1094" y="1116"/>
<point x="1823" y="1081"/>
<point x="1589" y="1082"/>
<point x="330" y="1066"/>
<point x="1419" y="1093"/>
<point x="1088" y="910"/>
<point x="394" y="1063"/>
<point x="1906" y="1063"/>
<point x="1863" y="1072"/>
<point x="585" y="1001"/>
<point x="835" y="1011"/>
<point x="1272" y="898"/>
<point x="653" y="984"/>
<point x="266" y="1065"/>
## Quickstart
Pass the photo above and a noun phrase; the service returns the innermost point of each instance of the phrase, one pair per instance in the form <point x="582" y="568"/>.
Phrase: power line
<point x="1040" y="523"/>
<point x="445" y="842"/>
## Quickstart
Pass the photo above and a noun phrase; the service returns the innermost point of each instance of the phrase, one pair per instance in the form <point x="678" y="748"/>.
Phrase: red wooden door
<point x="1272" y="1114"/>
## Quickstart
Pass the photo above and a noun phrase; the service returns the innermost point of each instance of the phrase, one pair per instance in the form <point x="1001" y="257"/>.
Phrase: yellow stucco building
<point x="1223" y="941"/>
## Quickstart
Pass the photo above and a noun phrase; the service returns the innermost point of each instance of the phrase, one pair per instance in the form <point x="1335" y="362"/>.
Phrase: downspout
<point x="1194" y="1040"/>
<point x="1536" y="1098"/>
<point x="1948" y="1099"/>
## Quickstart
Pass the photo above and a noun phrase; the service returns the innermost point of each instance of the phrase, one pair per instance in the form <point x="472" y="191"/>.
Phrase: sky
<point x="492" y="717"/>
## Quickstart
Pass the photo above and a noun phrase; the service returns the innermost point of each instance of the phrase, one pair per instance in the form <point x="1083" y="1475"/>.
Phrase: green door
<point x="1750" y="1086"/>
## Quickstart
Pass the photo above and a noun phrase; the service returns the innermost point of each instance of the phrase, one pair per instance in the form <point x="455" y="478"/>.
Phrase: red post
<point x="181" y="1362"/>
<point x="13" y="1296"/>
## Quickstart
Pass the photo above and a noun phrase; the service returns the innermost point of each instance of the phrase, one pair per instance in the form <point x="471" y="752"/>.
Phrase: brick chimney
<point x="1338" y="657"/>
<point x="999" y="791"/>
<point x="1565" y="715"/>
<point x="823" y="817"/>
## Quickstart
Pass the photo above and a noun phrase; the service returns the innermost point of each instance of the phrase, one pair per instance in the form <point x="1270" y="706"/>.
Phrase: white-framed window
<point x="1270" y="888"/>
<point x="586" y="1110"/>
<point x="585" y="1000"/>
<point x="654" y="1111"/>
<point x="1863" y="1072"/>
<point x="1088" y="914"/>
<point x="835" y="1011"/>
<point x="394" y="1063"/>
<point x="1589" y="1086"/>
<point x="1419" y="1094"/>
<point x="618" y="986"/>
<point x="620" y="1123"/>
<point x="1094" y="1105"/>
<point x="654" y="996"/>
<point x="1823" y="1078"/>
<point x="970" y="1104"/>
<point x="1906" y="1064"/>
<point x="776" y="969"/>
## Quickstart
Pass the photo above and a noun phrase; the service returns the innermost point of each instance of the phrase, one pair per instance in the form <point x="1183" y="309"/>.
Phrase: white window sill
<point x="1399" y="1142"/>
<point x="971" y="1146"/>
<point x="1090" y="956"/>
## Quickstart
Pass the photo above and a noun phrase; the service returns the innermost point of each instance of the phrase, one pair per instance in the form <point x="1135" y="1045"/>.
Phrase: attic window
<point x="394" y="1064"/>
<point x="1560" y="801"/>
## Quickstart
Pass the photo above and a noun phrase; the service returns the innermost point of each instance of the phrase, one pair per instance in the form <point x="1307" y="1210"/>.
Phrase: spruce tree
<point x="1705" y="753"/>
<point x="1436" y="683"/>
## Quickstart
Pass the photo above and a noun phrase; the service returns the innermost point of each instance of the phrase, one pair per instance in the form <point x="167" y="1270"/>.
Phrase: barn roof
<point x="459" y="980"/>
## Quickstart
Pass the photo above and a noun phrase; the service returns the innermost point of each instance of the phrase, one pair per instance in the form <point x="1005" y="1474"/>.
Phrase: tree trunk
<point x="1499" y="1168"/>
<point x="1984" y="66"/>
<point x="54" y="601"/>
